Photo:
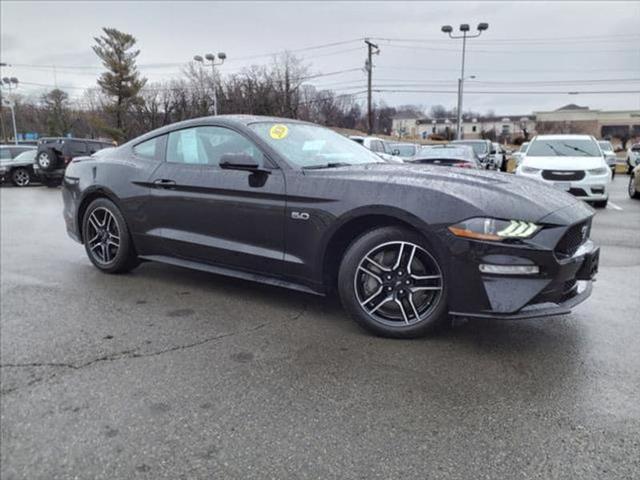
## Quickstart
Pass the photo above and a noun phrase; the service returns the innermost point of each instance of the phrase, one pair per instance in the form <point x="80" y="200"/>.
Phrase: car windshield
<point x="26" y="156"/>
<point x="606" y="146"/>
<point x="446" y="152"/>
<point x="479" y="147"/>
<point x="404" y="150"/>
<point x="563" y="147"/>
<point x="310" y="146"/>
<point x="524" y="146"/>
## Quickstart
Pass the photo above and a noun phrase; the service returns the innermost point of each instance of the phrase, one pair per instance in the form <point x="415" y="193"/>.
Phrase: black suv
<point x="55" y="153"/>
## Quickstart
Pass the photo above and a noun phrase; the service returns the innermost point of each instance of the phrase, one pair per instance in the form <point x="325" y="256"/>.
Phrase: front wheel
<point x="106" y="238"/>
<point x="20" y="177"/>
<point x="391" y="283"/>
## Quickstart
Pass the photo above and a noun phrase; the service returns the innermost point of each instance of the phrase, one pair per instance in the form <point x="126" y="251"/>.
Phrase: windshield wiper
<point x="327" y="165"/>
<point x="555" y="150"/>
<point x="578" y="149"/>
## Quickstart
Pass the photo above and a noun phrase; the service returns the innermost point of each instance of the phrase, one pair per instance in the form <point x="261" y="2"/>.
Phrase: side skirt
<point x="253" y="277"/>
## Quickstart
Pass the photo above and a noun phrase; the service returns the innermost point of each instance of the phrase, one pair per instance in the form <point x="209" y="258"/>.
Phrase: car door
<point x="202" y="212"/>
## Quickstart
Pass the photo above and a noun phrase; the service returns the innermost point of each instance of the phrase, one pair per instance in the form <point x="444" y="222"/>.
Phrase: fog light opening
<point x="509" y="269"/>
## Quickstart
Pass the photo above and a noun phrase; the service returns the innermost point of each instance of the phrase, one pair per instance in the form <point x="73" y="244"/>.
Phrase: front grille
<point x="575" y="236"/>
<point x="563" y="175"/>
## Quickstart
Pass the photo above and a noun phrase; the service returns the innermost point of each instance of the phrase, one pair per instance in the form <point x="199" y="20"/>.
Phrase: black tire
<point x="47" y="159"/>
<point x="409" y="307"/>
<point x="20" y="177"/>
<point x="613" y="173"/>
<point x="633" y="193"/>
<point x="52" y="182"/>
<point x="104" y="253"/>
<point x="601" y="204"/>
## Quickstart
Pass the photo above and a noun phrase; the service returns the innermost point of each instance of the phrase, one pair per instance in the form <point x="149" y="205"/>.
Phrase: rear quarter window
<point x="150" y="149"/>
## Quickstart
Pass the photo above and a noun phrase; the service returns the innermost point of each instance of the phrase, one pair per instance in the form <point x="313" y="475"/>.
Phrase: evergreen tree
<point x="122" y="80"/>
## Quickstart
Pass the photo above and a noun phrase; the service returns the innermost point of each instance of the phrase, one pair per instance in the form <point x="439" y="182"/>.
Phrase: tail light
<point x="463" y="165"/>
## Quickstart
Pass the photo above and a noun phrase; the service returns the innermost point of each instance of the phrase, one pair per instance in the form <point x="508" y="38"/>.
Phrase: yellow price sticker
<point x="279" y="131"/>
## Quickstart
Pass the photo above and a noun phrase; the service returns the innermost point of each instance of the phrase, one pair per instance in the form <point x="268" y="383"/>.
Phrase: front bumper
<point x="562" y="281"/>
<point x="591" y="188"/>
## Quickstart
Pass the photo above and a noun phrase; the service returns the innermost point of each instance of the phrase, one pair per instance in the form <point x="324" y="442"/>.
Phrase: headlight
<point x="598" y="171"/>
<point x="531" y="170"/>
<point x="494" y="229"/>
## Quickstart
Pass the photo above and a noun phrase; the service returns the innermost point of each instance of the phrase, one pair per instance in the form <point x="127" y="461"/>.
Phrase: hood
<point x="495" y="194"/>
<point x="563" y="163"/>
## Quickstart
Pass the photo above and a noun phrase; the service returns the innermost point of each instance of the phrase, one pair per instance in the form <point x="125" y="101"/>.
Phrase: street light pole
<point x="464" y="28"/>
<point x="11" y="83"/>
<point x="212" y="59"/>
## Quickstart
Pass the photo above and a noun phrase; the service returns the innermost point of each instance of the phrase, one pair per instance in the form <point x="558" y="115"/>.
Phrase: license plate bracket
<point x="562" y="185"/>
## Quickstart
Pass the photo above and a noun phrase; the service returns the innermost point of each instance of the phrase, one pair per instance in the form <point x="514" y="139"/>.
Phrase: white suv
<point x="377" y="146"/>
<point x="573" y="163"/>
<point x="633" y="157"/>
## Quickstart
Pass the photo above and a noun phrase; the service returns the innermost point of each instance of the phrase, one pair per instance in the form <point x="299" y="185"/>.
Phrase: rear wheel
<point x="20" y="177"/>
<point x="633" y="192"/>
<point x="391" y="283"/>
<point x="106" y="238"/>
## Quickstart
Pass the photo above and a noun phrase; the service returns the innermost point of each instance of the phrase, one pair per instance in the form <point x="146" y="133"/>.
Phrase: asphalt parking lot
<point x="169" y="373"/>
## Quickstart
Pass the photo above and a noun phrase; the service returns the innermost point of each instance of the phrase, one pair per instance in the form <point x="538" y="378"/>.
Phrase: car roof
<point x="229" y="120"/>
<point x="75" y="139"/>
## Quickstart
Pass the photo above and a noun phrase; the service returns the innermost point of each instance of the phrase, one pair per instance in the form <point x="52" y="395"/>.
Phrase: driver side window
<point x="207" y="145"/>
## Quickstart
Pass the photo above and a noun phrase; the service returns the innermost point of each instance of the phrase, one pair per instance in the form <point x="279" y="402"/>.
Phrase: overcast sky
<point x="565" y="44"/>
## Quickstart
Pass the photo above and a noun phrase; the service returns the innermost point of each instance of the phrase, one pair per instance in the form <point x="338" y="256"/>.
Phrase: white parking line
<point x="610" y="204"/>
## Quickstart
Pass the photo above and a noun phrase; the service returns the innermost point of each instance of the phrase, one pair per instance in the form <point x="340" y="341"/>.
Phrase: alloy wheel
<point x="398" y="284"/>
<point x="43" y="160"/>
<point x="104" y="235"/>
<point x="21" y="177"/>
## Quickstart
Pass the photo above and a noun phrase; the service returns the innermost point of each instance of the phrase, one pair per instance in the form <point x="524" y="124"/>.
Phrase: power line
<point x="518" y="92"/>
<point x="540" y="40"/>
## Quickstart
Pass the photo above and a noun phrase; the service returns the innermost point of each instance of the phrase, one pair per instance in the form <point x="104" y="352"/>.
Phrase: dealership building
<point x="568" y="119"/>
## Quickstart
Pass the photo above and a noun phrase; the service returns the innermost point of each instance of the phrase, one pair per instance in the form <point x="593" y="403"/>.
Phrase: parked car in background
<point x="633" y="157"/>
<point x="55" y="153"/>
<point x="19" y="170"/>
<point x="7" y="152"/>
<point x="634" y="183"/>
<point x="446" y="156"/>
<point x="609" y="155"/>
<point x="297" y="205"/>
<point x="406" y="151"/>
<point x="573" y="163"/>
<point x="521" y="152"/>
<point x="377" y="146"/>
<point x="482" y="148"/>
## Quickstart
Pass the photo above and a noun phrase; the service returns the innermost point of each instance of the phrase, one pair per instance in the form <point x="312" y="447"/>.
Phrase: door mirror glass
<point x="238" y="161"/>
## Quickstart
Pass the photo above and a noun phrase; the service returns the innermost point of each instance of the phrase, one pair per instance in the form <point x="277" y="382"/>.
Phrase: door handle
<point x="164" y="183"/>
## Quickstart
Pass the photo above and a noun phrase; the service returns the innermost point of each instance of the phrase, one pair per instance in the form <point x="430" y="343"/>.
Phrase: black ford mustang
<point x="294" y="204"/>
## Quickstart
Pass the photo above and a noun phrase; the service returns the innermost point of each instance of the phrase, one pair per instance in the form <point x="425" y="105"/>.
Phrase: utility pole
<point x="372" y="49"/>
<point x="464" y="28"/>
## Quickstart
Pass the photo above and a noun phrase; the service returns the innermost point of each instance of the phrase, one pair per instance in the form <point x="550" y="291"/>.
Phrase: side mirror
<point x="239" y="161"/>
<point x="396" y="152"/>
<point x="493" y="152"/>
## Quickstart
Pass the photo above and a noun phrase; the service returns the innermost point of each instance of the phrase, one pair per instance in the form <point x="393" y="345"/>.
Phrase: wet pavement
<point x="169" y="373"/>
